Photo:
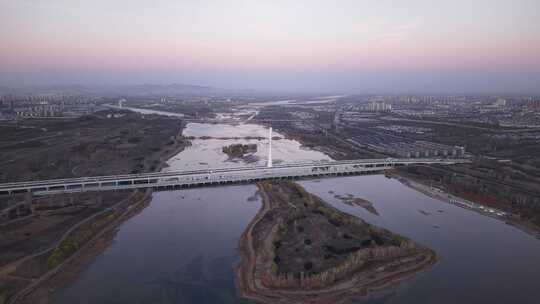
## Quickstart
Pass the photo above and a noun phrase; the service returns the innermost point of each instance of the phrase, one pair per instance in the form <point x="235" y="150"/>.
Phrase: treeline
<point x="498" y="187"/>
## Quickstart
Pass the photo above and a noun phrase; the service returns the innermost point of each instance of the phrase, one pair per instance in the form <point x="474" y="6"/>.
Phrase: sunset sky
<point x="348" y="46"/>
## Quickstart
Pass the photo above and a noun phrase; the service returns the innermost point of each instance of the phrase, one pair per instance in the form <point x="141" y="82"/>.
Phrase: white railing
<point x="211" y="176"/>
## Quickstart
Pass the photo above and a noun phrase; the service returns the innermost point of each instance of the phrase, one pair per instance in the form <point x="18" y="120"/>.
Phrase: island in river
<point x="300" y="249"/>
<point x="239" y="150"/>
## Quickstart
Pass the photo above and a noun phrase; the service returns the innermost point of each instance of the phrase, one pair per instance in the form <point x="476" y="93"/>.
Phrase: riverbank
<point x="61" y="227"/>
<point x="321" y="143"/>
<point x="423" y="187"/>
<point x="42" y="290"/>
<point x="299" y="249"/>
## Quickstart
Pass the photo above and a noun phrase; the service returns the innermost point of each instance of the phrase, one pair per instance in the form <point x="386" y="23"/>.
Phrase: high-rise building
<point x="501" y="102"/>
<point x="378" y="107"/>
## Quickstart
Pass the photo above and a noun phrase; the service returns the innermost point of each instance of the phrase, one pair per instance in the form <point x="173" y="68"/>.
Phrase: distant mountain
<point x="171" y="89"/>
<point x="126" y="90"/>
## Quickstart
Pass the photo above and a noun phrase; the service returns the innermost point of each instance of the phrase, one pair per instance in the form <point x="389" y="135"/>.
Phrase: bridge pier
<point x="199" y="178"/>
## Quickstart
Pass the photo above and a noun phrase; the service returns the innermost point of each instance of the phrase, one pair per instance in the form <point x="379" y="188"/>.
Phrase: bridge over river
<point x="180" y="179"/>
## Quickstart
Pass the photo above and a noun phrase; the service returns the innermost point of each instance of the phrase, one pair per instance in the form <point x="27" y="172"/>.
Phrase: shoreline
<point x="510" y="219"/>
<point x="44" y="287"/>
<point x="331" y="152"/>
<point x="355" y="284"/>
<point x="425" y="189"/>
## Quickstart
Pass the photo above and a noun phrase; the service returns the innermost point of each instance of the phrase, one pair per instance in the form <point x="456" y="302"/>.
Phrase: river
<point x="147" y="111"/>
<point x="183" y="246"/>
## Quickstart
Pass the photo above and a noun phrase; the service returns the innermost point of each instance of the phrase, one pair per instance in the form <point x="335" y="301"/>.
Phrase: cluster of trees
<point x="355" y="261"/>
<point x="239" y="150"/>
<point x="494" y="184"/>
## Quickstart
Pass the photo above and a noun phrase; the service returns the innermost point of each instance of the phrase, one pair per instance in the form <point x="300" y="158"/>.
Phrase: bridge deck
<point x="211" y="176"/>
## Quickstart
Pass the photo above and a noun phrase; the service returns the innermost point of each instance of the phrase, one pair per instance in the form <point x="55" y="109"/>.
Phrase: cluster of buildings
<point x="405" y="147"/>
<point x="533" y="105"/>
<point x="430" y="99"/>
<point x="521" y="111"/>
<point x="419" y="149"/>
<point x="46" y="106"/>
<point x="375" y="106"/>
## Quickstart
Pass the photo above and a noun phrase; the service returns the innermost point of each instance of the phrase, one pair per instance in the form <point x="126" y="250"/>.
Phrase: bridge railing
<point x="129" y="181"/>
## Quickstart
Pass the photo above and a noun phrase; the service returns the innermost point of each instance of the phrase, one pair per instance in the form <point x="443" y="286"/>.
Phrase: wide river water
<point x="182" y="248"/>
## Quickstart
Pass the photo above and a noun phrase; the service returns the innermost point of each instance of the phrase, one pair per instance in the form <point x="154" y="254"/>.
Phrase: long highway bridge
<point x="181" y="179"/>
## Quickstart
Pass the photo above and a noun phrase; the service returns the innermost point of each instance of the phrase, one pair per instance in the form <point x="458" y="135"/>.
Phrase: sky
<point x="357" y="46"/>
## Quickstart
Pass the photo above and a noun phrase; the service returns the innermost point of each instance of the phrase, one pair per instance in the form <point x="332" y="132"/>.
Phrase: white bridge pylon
<point x="269" y="163"/>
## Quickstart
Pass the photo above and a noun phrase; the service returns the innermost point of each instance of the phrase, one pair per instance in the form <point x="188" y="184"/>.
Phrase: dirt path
<point x="115" y="223"/>
<point x="253" y="281"/>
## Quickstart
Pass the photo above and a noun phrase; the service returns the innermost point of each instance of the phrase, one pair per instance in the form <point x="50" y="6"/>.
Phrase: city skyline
<point x="351" y="46"/>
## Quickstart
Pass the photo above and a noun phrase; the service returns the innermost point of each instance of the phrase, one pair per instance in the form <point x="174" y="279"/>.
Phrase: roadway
<point x="213" y="176"/>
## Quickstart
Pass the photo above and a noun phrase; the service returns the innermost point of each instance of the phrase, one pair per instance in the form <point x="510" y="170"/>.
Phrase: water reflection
<point x="183" y="247"/>
<point x="193" y="283"/>
<point x="482" y="260"/>
<point x="180" y="249"/>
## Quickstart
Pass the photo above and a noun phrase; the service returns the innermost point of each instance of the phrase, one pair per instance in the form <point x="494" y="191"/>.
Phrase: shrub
<point x="66" y="248"/>
<point x="3" y="296"/>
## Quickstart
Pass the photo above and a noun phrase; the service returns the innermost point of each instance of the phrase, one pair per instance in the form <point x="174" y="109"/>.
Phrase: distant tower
<point x="337" y="119"/>
<point x="269" y="164"/>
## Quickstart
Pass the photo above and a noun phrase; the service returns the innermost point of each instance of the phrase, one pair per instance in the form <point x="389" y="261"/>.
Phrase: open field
<point x="107" y="142"/>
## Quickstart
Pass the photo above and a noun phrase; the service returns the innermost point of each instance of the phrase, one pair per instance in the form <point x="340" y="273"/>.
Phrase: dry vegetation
<point x="45" y="231"/>
<point x="298" y="247"/>
<point x="91" y="145"/>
